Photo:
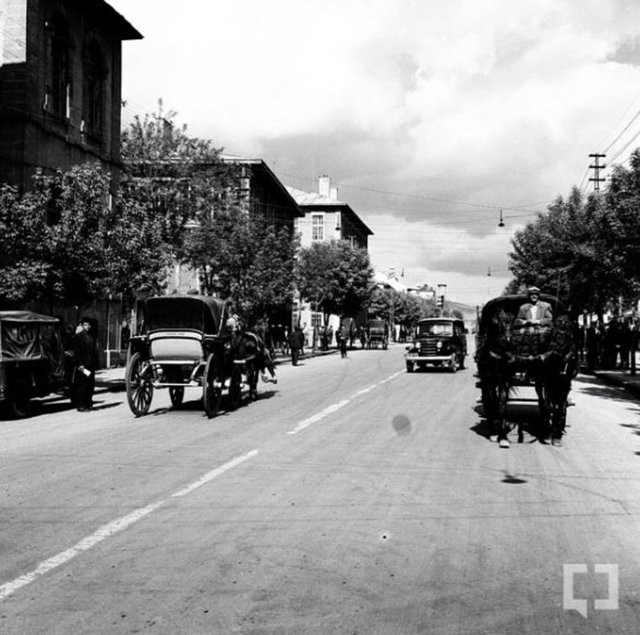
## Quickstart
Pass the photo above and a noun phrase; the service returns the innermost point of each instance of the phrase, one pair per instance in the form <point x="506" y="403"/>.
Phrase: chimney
<point x="334" y="193"/>
<point x="324" y="186"/>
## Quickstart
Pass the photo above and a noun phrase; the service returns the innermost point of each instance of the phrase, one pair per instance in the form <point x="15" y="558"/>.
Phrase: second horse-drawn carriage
<point x="509" y="355"/>
<point x="184" y="342"/>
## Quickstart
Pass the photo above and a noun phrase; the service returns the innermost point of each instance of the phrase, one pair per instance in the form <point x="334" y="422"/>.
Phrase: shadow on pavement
<point x="591" y="386"/>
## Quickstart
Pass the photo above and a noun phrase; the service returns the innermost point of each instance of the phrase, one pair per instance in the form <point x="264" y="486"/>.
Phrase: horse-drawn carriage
<point x="377" y="334"/>
<point x="509" y="355"/>
<point x="184" y="342"/>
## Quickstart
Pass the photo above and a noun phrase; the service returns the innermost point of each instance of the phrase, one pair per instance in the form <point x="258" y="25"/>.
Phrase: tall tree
<point x="335" y="277"/>
<point x="70" y="241"/>
<point x="570" y="251"/>
<point x="241" y="257"/>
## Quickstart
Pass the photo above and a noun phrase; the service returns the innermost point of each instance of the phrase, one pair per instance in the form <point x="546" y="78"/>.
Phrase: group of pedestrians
<point x="609" y="346"/>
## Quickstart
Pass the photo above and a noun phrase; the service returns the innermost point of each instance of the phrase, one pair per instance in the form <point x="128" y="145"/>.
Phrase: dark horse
<point x="494" y="359"/>
<point x="560" y="365"/>
<point x="502" y="354"/>
<point x="250" y="357"/>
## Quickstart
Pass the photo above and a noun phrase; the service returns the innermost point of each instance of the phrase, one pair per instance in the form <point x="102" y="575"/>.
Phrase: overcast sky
<point x="429" y="116"/>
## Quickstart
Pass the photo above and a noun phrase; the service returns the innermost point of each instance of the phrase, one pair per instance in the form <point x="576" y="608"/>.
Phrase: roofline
<point x="343" y="206"/>
<point x="128" y="31"/>
<point x="225" y="158"/>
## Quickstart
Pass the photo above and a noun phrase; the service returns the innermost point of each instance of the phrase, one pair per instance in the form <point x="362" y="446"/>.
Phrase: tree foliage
<point x="206" y="222"/>
<point x="335" y="277"/>
<point x="242" y="258"/>
<point x="399" y="307"/>
<point x="584" y="251"/>
<point x="69" y="241"/>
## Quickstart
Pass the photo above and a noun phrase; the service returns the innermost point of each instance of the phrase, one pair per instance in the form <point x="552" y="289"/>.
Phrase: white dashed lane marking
<point x="305" y="423"/>
<point x="112" y="528"/>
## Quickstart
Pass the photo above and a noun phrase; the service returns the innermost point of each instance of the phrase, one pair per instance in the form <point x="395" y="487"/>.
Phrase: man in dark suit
<point x="296" y="343"/>
<point x="85" y="356"/>
<point x="535" y="312"/>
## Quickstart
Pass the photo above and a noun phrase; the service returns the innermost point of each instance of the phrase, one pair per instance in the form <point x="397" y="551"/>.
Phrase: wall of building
<point x="33" y="132"/>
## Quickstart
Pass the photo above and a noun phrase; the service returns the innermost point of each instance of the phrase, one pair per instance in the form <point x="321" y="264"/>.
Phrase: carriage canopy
<point x="25" y="335"/>
<point x="511" y="304"/>
<point x="184" y="312"/>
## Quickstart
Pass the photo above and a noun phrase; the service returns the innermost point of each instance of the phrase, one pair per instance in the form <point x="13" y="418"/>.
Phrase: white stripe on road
<point x="320" y="415"/>
<point x="112" y="528"/>
<point x="214" y="473"/>
<point x="336" y="406"/>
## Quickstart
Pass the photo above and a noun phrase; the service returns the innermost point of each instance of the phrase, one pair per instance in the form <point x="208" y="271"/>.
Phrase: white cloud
<point x="494" y="103"/>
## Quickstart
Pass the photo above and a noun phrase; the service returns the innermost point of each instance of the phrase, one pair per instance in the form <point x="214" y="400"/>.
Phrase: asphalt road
<point x="352" y="497"/>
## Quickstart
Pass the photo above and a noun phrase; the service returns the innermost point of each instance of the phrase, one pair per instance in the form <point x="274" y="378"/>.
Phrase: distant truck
<point x="32" y="360"/>
<point x="439" y="342"/>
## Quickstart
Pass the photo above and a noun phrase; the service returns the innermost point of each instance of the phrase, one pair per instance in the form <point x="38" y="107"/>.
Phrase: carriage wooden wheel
<point x="212" y="394"/>
<point x="139" y="383"/>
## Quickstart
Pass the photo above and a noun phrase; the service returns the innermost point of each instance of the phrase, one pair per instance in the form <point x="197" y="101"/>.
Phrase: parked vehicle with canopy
<point x="183" y="344"/>
<point x="32" y="361"/>
<point x="377" y="334"/>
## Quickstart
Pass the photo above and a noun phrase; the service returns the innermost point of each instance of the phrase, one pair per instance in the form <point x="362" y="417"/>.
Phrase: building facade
<point x="325" y="218"/>
<point x="328" y="218"/>
<point x="60" y="86"/>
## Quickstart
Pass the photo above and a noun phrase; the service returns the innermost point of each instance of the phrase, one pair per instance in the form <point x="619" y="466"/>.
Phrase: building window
<point x="58" y="79"/>
<point x="93" y="81"/>
<point x="316" y="319"/>
<point x="317" y="226"/>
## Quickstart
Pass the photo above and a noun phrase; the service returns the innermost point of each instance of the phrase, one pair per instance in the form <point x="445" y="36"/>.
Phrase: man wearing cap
<point x="85" y="355"/>
<point x="536" y="312"/>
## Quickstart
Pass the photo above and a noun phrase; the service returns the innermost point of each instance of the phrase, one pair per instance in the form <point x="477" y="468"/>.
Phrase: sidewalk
<point x="112" y="379"/>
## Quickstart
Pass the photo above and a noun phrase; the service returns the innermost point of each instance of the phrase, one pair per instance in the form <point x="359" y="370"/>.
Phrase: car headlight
<point x="438" y="345"/>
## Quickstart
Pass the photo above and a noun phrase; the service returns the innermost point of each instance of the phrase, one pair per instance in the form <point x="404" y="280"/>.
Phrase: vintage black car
<point x="32" y="360"/>
<point x="440" y="342"/>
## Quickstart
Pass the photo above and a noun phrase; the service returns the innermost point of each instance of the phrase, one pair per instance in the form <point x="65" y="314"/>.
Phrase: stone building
<point x="60" y="85"/>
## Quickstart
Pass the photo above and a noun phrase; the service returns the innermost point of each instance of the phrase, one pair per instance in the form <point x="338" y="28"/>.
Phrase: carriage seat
<point x="169" y="346"/>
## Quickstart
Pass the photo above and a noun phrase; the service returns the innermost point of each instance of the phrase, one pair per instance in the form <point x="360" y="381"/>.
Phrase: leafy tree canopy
<point x="335" y="277"/>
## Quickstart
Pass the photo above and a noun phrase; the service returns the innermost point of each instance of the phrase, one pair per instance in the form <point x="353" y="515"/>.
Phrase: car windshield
<point x="435" y="328"/>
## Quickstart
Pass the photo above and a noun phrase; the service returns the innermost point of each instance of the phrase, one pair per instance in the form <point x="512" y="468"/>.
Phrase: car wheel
<point x="409" y="367"/>
<point x="453" y="364"/>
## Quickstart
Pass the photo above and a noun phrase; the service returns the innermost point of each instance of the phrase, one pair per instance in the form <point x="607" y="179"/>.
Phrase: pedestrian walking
<point x="86" y="359"/>
<point x="296" y="343"/>
<point x="343" y="339"/>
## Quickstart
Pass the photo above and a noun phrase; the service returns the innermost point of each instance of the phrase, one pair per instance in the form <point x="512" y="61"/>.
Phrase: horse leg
<point x="252" y="380"/>
<point x="503" y="397"/>
<point x="559" y="418"/>
<point x="543" y="390"/>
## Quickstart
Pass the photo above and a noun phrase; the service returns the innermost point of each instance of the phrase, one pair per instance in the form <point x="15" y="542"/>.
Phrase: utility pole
<point x="596" y="167"/>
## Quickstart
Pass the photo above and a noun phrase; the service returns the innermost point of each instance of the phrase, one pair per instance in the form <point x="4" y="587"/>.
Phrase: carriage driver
<point x="536" y="312"/>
